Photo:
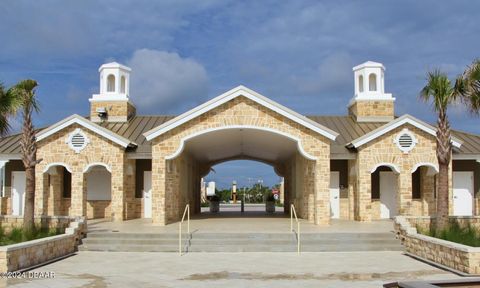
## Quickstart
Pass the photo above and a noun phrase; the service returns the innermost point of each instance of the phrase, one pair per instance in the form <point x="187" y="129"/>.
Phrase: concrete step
<point x="123" y="235"/>
<point x="128" y="248"/>
<point x="241" y="242"/>
<point x="119" y="241"/>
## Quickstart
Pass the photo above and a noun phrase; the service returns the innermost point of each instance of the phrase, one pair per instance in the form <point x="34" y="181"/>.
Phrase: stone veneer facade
<point x="314" y="201"/>
<point x="371" y="110"/>
<point x="176" y="180"/>
<point x="117" y="111"/>
<point x="383" y="152"/>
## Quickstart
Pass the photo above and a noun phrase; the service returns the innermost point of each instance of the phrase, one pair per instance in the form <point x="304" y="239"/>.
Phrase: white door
<point x="18" y="192"/>
<point x="388" y="194"/>
<point x="335" y="194"/>
<point x="463" y="193"/>
<point x="147" y="194"/>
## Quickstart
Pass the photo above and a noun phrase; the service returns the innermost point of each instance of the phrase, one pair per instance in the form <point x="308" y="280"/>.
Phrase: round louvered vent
<point x="77" y="140"/>
<point x="405" y="140"/>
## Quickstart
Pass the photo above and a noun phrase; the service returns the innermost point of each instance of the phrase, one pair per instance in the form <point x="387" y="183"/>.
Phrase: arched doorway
<point x="423" y="189"/>
<point x="384" y="188"/>
<point x="98" y="180"/>
<point x="252" y="182"/>
<point x="198" y="153"/>
<point x="57" y="179"/>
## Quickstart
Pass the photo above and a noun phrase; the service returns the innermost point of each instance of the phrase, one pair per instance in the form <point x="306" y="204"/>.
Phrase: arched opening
<point x="423" y="189"/>
<point x="123" y="84"/>
<point x="111" y="83"/>
<point x="254" y="183"/>
<point x="384" y="190"/>
<point x="57" y="180"/>
<point x="360" y="83"/>
<point x="200" y="152"/>
<point x="99" y="191"/>
<point x="372" y="82"/>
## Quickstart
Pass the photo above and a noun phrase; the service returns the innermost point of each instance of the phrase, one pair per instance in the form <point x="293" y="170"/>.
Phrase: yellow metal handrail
<point x="294" y="213"/>
<point x="185" y="212"/>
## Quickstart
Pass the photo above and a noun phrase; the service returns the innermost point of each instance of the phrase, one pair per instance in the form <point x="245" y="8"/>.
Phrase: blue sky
<point x="299" y="53"/>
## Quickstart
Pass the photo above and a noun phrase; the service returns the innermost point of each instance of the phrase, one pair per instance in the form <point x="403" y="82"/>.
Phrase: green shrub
<point x="18" y="234"/>
<point x="468" y="235"/>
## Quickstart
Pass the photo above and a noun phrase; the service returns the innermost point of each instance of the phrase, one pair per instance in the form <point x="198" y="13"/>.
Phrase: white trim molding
<point x="77" y="119"/>
<point x="405" y="119"/>
<point x="431" y="165"/>
<point x="93" y="164"/>
<point x="390" y="165"/>
<point x="191" y="136"/>
<point x="232" y="94"/>
<point x="64" y="165"/>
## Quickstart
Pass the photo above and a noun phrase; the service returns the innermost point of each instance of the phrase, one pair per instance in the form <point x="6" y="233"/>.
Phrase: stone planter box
<point x="27" y="254"/>
<point x="270" y="206"/>
<point x="459" y="257"/>
<point x="214" y="206"/>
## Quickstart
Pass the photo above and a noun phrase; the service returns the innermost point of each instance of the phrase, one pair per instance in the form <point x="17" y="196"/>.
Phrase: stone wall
<point x="117" y="111"/>
<point x="23" y="255"/>
<point x="99" y="150"/>
<point x="456" y="256"/>
<point x="241" y="111"/>
<point x="384" y="151"/>
<point x="98" y="209"/>
<point x="371" y="110"/>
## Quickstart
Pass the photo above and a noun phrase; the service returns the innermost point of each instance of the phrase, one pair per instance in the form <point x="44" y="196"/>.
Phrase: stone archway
<point x="249" y="130"/>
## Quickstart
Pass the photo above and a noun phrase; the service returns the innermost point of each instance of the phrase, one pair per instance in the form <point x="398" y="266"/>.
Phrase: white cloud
<point x="163" y="82"/>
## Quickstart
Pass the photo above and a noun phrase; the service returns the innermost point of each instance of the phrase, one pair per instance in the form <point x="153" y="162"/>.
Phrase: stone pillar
<point x="363" y="195"/>
<point x="55" y="189"/>
<point x="322" y="192"/>
<point x="158" y="190"/>
<point x="404" y="198"/>
<point x="427" y="190"/>
<point x="352" y="180"/>
<point x="79" y="194"/>
<point x="119" y="177"/>
<point x="41" y="188"/>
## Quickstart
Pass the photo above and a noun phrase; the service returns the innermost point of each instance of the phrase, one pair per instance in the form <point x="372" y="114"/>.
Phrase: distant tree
<point x="24" y="93"/>
<point x="440" y="91"/>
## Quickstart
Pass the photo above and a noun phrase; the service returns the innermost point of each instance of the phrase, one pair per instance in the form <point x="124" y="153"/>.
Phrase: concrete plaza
<point x="348" y="269"/>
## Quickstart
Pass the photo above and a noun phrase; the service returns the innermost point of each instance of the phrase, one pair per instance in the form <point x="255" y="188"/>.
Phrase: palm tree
<point x="470" y="87"/>
<point x="442" y="93"/>
<point x="24" y="92"/>
<point x="8" y="105"/>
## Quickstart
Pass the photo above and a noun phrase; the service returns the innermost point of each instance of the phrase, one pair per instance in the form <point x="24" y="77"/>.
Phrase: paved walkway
<point x="116" y="269"/>
<point x="254" y="219"/>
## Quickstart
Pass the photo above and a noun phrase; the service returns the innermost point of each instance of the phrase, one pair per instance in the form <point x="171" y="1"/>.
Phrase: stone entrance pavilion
<point x="366" y="165"/>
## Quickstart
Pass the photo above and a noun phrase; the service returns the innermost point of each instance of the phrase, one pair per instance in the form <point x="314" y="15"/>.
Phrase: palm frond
<point x="438" y="90"/>
<point x="470" y="91"/>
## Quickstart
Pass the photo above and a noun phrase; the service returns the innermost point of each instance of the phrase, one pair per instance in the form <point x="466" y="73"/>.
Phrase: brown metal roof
<point x="346" y="126"/>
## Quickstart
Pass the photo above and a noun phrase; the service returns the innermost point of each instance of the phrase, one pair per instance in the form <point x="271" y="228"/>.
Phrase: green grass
<point x="468" y="235"/>
<point x="18" y="235"/>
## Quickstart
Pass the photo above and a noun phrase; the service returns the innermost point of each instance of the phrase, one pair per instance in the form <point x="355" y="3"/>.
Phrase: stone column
<point x="119" y="174"/>
<point x="322" y="192"/>
<point x="79" y="194"/>
<point x="427" y="190"/>
<point x="363" y="195"/>
<point x="41" y="188"/>
<point x="404" y="193"/>
<point x="158" y="190"/>
<point x="352" y="180"/>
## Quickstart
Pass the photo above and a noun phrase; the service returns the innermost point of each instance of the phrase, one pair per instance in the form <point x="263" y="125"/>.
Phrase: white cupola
<point x="370" y="81"/>
<point x="112" y="103"/>
<point x="370" y="103"/>
<point x="114" y="81"/>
